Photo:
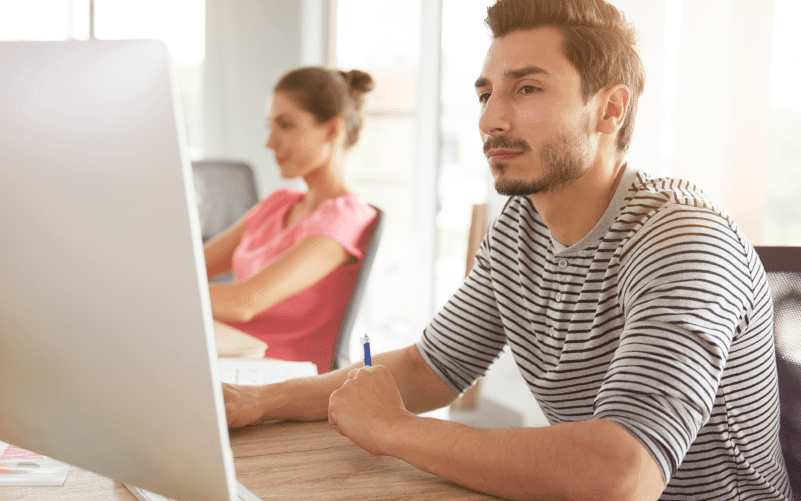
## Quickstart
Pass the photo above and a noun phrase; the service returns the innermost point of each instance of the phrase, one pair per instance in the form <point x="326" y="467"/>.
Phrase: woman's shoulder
<point x="351" y="205"/>
<point x="343" y="218"/>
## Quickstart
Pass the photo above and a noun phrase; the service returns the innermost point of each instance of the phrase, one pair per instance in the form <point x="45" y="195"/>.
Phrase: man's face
<point x="534" y="123"/>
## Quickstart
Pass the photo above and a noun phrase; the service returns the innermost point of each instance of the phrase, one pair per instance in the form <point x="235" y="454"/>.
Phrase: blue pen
<point x="366" y="345"/>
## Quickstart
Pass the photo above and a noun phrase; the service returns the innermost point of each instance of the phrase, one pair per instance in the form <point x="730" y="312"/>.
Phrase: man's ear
<point x="615" y="104"/>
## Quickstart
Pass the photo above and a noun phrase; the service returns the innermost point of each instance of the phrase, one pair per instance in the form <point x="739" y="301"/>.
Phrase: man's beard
<point x="566" y="159"/>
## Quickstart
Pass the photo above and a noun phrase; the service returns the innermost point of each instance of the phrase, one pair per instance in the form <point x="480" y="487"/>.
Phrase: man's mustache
<point x="505" y="142"/>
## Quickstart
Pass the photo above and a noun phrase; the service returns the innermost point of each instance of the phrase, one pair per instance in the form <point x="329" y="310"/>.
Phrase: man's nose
<point x="494" y="118"/>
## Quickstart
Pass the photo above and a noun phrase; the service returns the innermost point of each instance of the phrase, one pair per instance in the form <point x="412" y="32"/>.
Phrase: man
<point x="636" y="309"/>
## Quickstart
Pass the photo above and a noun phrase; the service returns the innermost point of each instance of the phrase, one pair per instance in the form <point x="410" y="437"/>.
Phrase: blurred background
<point x="720" y="108"/>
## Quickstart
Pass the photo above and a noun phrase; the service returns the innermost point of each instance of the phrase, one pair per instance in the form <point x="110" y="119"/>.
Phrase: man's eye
<point x="482" y="98"/>
<point x="528" y="89"/>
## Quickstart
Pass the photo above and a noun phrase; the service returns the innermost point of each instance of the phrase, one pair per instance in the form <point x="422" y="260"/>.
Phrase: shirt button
<point x="551" y="331"/>
<point x="558" y="296"/>
<point x="563" y="263"/>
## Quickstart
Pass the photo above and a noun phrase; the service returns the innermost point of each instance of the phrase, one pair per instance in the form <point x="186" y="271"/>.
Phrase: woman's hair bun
<point x="358" y="81"/>
<point x="328" y="93"/>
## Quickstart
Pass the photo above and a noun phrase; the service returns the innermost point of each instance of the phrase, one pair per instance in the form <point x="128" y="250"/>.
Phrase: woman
<point x="296" y="255"/>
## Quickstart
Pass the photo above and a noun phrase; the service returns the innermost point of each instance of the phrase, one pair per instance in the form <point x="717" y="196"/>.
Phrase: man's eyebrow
<point x="514" y="74"/>
<point x="481" y="82"/>
<point x="524" y="72"/>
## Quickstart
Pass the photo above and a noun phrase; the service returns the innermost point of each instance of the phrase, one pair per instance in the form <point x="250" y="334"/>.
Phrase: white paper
<point x="20" y="467"/>
<point x="265" y="371"/>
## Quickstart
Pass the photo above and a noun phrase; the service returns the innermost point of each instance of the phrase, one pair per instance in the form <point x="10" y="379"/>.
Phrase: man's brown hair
<point x="597" y="41"/>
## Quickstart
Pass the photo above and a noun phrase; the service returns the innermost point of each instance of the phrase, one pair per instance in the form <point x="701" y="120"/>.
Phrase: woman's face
<point x="299" y="143"/>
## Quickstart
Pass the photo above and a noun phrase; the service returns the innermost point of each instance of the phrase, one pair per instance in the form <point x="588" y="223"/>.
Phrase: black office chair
<point x="783" y="265"/>
<point x="225" y="192"/>
<point x="342" y="346"/>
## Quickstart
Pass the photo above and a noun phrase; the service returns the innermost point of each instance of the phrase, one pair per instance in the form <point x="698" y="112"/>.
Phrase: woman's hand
<point x="243" y="404"/>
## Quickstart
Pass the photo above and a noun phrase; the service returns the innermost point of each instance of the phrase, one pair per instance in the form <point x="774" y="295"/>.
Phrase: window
<point x="44" y="20"/>
<point x="783" y="208"/>
<point x="382" y="37"/>
<point x="464" y="177"/>
<point x="720" y="108"/>
<point x="179" y="23"/>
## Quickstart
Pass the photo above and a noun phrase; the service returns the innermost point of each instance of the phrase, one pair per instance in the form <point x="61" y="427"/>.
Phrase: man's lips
<point x="503" y="154"/>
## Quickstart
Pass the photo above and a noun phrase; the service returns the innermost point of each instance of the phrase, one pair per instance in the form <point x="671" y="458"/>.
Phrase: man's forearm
<point x="588" y="460"/>
<point x="593" y="459"/>
<point x="306" y="399"/>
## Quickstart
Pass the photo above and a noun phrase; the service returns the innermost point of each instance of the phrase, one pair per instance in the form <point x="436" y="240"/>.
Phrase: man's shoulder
<point x="651" y="199"/>
<point x="656" y="192"/>
<point x="667" y="216"/>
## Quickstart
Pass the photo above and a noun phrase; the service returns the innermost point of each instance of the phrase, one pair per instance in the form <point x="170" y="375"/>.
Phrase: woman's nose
<point x="271" y="142"/>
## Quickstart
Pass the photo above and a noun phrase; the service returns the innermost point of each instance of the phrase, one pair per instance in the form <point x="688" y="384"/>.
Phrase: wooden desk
<point x="294" y="461"/>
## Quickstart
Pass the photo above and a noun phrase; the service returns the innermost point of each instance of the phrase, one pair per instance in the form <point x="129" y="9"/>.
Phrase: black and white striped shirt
<point x="659" y="320"/>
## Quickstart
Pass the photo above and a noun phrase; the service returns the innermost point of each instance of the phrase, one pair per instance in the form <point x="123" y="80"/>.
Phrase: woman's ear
<point x="336" y="130"/>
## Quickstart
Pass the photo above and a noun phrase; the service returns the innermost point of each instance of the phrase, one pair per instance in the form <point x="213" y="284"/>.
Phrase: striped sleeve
<point x="686" y="291"/>
<point x="466" y="336"/>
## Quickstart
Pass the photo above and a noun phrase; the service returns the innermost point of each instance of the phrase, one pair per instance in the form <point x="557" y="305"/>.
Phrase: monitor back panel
<point x="106" y="338"/>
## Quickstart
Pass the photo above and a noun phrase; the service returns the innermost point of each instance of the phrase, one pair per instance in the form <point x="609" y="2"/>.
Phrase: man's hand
<point x="366" y="408"/>
<point x="242" y="404"/>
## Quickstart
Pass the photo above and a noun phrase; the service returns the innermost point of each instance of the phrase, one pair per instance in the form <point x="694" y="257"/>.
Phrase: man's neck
<point x="572" y="211"/>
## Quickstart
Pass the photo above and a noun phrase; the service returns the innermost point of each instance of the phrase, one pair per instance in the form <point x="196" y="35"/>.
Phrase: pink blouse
<point x="303" y="327"/>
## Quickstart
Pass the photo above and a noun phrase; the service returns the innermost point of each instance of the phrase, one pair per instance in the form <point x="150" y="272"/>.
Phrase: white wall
<point x="249" y="45"/>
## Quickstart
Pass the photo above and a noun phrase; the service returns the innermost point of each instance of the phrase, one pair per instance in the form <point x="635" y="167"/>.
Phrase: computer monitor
<point x="107" y="352"/>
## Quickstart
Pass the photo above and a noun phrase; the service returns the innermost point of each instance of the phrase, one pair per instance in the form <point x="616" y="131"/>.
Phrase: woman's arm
<point x="220" y="250"/>
<point x="297" y="268"/>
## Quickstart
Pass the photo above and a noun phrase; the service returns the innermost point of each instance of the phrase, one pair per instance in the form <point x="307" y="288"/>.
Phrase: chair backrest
<point x="342" y="346"/>
<point x="225" y="192"/>
<point x="783" y="266"/>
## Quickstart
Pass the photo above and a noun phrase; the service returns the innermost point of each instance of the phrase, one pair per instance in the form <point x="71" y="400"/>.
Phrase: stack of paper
<point x="232" y="343"/>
